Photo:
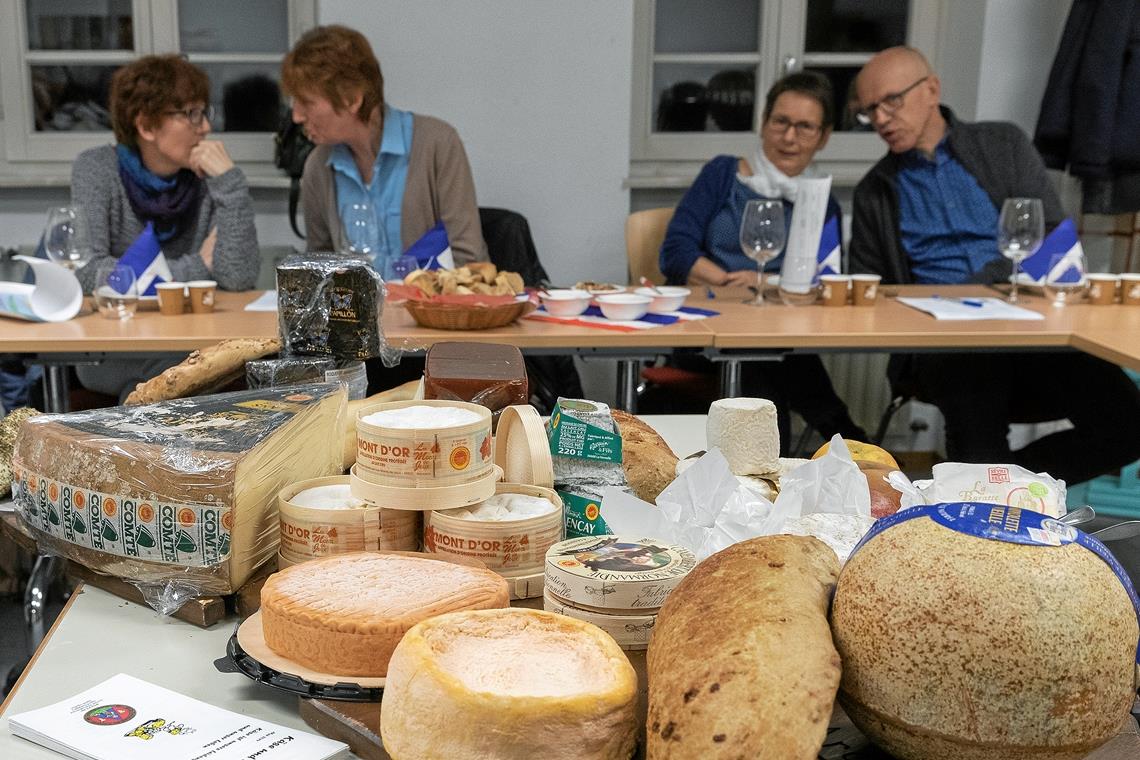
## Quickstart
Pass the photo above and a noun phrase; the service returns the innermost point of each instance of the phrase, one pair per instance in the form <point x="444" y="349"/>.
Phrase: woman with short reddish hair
<point x="411" y="169"/>
<point x="164" y="171"/>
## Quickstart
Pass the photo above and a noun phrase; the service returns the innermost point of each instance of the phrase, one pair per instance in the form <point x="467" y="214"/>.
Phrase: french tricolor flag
<point x="1062" y="240"/>
<point x="829" y="258"/>
<point x="433" y="250"/>
<point x="146" y="259"/>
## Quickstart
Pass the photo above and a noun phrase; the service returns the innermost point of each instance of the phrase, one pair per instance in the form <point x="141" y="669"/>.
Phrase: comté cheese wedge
<point x="345" y="614"/>
<point x="182" y="490"/>
<point x="511" y="685"/>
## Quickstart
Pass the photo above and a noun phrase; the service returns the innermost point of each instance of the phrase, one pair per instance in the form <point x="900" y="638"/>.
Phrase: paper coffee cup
<point x="171" y="297"/>
<point x="834" y="289"/>
<point x="202" y="296"/>
<point x="1102" y="288"/>
<point x="1130" y="289"/>
<point x="864" y="289"/>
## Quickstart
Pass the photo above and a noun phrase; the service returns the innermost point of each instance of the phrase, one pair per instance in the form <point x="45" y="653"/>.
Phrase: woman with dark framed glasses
<point x="164" y="171"/>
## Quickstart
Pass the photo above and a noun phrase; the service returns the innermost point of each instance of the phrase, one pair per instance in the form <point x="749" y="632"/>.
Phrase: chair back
<point x="510" y="245"/>
<point x="644" y="233"/>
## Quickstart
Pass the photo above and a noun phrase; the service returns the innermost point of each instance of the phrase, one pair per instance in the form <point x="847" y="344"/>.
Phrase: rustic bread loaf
<point x="203" y="370"/>
<point x="648" y="461"/>
<point x="741" y="663"/>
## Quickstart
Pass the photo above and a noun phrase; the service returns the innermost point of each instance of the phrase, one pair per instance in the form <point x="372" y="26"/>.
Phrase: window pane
<point x="855" y="26"/>
<point x="710" y="26"/>
<point x="246" y="97"/>
<point x="233" y="26"/>
<point x="846" y="104"/>
<point x="67" y="25"/>
<point x="71" y="98"/>
<point x="702" y="98"/>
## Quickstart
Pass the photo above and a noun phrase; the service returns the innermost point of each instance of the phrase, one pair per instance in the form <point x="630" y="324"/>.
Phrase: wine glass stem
<point x="1013" y="280"/>
<point x="760" y="287"/>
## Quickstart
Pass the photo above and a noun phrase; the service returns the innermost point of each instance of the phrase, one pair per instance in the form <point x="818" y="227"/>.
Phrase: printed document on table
<point x="125" y="718"/>
<point x="961" y="309"/>
<point x="267" y="301"/>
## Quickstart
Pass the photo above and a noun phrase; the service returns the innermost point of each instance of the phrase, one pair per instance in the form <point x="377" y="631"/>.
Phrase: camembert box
<point x="616" y="572"/>
<point x="182" y="489"/>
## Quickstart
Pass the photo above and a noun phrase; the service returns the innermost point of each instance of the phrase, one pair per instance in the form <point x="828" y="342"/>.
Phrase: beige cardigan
<point x="438" y="187"/>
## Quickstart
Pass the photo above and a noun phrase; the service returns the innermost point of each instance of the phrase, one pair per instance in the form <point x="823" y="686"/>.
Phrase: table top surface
<point x="1111" y="332"/>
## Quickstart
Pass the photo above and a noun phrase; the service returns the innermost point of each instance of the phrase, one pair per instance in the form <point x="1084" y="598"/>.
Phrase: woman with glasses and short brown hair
<point x="702" y="243"/>
<point x="164" y="171"/>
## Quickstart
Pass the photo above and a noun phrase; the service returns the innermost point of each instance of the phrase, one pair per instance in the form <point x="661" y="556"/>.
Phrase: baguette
<point x="741" y="663"/>
<point x="203" y="369"/>
<point x="649" y="463"/>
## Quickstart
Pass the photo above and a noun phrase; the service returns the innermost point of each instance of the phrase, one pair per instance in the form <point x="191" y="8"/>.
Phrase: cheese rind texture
<point x="745" y="431"/>
<point x="508" y="684"/>
<point x="345" y="614"/>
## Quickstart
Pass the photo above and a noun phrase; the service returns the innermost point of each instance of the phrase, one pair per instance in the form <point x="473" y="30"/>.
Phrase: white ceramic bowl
<point x="668" y="299"/>
<point x="623" y="306"/>
<point x="565" y="303"/>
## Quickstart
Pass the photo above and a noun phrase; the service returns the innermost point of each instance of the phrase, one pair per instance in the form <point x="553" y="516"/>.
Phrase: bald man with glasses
<point x="927" y="212"/>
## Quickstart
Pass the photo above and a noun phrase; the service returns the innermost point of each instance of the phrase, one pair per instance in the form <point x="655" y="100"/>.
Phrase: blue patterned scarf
<point x="171" y="203"/>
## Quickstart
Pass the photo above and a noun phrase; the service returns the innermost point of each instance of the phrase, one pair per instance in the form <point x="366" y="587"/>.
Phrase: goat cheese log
<point x="741" y="663"/>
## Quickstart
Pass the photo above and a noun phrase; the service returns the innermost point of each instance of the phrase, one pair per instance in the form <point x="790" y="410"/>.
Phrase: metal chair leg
<point x="36" y="597"/>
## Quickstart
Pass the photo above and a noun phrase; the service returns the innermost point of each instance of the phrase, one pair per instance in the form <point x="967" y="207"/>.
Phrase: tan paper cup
<point x="1130" y="289"/>
<point x="171" y="297"/>
<point x="865" y="289"/>
<point x="834" y="289"/>
<point x="1102" y="288"/>
<point x="202" y="296"/>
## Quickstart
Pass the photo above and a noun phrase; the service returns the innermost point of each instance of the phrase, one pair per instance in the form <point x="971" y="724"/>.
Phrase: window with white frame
<point x="57" y="58"/>
<point x="701" y="71"/>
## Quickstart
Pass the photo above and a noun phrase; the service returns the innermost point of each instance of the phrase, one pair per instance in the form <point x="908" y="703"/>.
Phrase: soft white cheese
<point x="840" y="532"/>
<point x="422" y="417"/>
<point x="745" y="431"/>
<point x="502" y="507"/>
<point x="327" y="497"/>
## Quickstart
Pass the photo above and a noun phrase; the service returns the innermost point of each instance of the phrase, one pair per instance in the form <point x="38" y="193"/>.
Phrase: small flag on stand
<point x="145" y="257"/>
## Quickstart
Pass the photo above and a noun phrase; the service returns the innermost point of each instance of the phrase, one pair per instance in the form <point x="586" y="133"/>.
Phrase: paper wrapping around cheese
<point x="181" y="494"/>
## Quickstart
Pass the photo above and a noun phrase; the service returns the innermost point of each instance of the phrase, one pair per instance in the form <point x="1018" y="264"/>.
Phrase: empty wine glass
<point x="116" y="291"/>
<point x="361" y="230"/>
<point x="1065" y="280"/>
<point x="1021" y="229"/>
<point x="762" y="236"/>
<point x="66" y="239"/>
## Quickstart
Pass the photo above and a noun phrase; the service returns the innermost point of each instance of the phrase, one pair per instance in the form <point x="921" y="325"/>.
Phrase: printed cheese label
<point x="570" y="437"/>
<point x="583" y="516"/>
<point x="157" y="531"/>
<point x="998" y="522"/>
<point x="225" y="422"/>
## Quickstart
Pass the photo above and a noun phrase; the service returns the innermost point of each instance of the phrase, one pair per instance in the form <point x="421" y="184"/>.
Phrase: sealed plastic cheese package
<point x="1005" y="484"/>
<point x="331" y="305"/>
<point x="272" y="373"/>
<point x="178" y="498"/>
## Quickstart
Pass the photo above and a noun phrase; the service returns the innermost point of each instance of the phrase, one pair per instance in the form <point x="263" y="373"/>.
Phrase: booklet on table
<point x="969" y="308"/>
<point x="124" y="718"/>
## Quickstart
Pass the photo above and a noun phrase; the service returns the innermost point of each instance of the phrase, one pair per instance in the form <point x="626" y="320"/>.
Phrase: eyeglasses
<point x="805" y="130"/>
<point x="889" y="104"/>
<point x="194" y="115"/>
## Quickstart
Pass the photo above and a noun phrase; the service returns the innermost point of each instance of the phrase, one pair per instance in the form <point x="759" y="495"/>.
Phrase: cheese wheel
<point x="345" y="614"/>
<point x="745" y="431"/>
<point x="511" y="685"/>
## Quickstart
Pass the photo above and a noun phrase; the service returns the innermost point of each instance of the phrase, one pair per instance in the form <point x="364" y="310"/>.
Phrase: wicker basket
<point x="447" y="316"/>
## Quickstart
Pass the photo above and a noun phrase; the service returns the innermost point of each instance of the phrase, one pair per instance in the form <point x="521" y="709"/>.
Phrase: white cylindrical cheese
<point x="616" y="573"/>
<point x="510" y="532"/>
<point x="745" y="431"/>
<point x="321" y="517"/>
<point x="631" y="632"/>
<point x="364" y="486"/>
<point x="423" y="443"/>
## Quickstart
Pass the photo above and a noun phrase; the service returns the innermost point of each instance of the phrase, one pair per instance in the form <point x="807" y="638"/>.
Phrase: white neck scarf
<point x="770" y="182"/>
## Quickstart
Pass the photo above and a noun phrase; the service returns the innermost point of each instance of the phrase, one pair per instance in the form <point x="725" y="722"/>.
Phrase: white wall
<point x="539" y="91"/>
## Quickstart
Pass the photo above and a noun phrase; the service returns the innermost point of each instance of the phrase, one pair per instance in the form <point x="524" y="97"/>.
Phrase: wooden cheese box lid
<point x="521" y="447"/>
<point x="616" y="572"/>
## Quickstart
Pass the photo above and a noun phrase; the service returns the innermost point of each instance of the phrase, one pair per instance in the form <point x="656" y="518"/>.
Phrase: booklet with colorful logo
<point x="124" y="718"/>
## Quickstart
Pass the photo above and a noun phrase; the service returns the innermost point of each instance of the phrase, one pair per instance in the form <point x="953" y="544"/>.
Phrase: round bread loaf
<point x="511" y="685"/>
<point x="956" y="647"/>
<point x="345" y="614"/>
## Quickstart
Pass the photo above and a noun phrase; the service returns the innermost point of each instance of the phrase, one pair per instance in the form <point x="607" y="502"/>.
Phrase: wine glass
<point x="116" y="291"/>
<point x="762" y="236"/>
<point x="1021" y="229"/>
<point x="361" y="230"/>
<point x="1065" y="280"/>
<point x="66" y="239"/>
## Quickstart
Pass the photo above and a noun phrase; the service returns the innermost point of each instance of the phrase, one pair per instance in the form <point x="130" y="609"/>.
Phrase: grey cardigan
<point x="997" y="154"/>
<point x="226" y="204"/>
<point x="438" y="187"/>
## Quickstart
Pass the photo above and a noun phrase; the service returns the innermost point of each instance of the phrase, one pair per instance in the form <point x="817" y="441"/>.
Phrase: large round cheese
<point x="510" y="684"/>
<point x="959" y="647"/>
<point x="345" y="614"/>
